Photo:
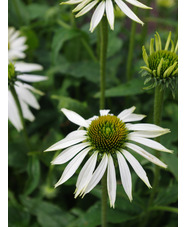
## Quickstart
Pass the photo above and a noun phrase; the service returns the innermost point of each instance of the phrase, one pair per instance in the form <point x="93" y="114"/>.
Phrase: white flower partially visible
<point x="16" y="45"/>
<point x="104" y="138"/>
<point x="24" y="92"/>
<point x="105" y="7"/>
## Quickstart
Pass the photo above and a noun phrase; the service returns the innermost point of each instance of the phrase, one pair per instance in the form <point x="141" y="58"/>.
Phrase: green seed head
<point x="11" y="73"/>
<point x="107" y="134"/>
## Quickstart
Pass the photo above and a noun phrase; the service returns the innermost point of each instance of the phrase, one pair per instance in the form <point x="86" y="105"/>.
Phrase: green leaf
<point x="60" y="36"/>
<point x="133" y="87"/>
<point x="37" y="10"/>
<point x="48" y="214"/>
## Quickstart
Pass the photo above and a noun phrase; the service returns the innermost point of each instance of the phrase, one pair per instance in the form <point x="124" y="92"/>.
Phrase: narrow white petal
<point x="148" y="134"/>
<point x="146" y="155"/>
<point x="75" y="118"/>
<point x="149" y="143"/>
<point x="14" y="35"/>
<point x="19" y="43"/>
<point x="13" y="114"/>
<point x="69" y="153"/>
<point x="104" y="112"/>
<point x="138" y="4"/>
<point x="111" y="181"/>
<point x="31" y="88"/>
<point x="133" y="117"/>
<point x="98" y="174"/>
<point x="137" y="167"/>
<point x="87" y="8"/>
<point x="27" y="67"/>
<point x="97" y="15"/>
<point x="27" y="114"/>
<point x="110" y="13"/>
<point x="86" y="174"/>
<point x="14" y="54"/>
<point x="72" y="166"/>
<point x="71" y="2"/>
<point x="125" y="175"/>
<point x="128" y="11"/>
<point x="125" y="113"/>
<point x="31" y="78"/>
<point x="81" y="5"/>
<point x="145" y="127"/>
<point x="71" y="139"/>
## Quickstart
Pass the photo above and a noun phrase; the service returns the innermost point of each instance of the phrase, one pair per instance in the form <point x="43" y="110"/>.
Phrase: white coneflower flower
<point x="17" y="74"/>
<point x="107" y="7"/>
<point x="16" y="44"/>
<point x="104" y="138"/>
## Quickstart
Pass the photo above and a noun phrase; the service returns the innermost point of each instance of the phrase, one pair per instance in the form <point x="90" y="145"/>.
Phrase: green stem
<point x="89" y="50"/>
<point x="131" y="48"/>
<point x="158" y="107"/>
<point x="103" y="58"/>
<point x="104" y="201"/>
<point x="14" y="94"/>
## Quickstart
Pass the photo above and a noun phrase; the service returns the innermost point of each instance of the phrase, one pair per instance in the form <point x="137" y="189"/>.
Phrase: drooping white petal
<point x="111" y="181"/>
<point x="69" y="153"/>
<point x="31" y="77"/>
<point x="27" y="67"/>
<point x="133" y="117"/>
<point x="13" y="114"/>
<point x="81" y="5"/>
<point x="125" y="113"/>
<point x="137" y="167"/>
<point x="125" y="175"/>
<point x="110" y="13"/>
<point x="13" y="35"/>
<point x="146" y="155"/>
<point x="31" y="88"/>
<point x="13" y="54"/>
<point x="104" y="112"/>
<point x="27" y="114"/>
<point x="138" y="4"/>
<point x="86" y="174"/>
<point x="98" y="174"/>
<point x="97" y="15"/>
<point x="87" y="8"/>
<point x="72" y="166"/>
<point x="128" y="11"/>
<point x="26" y="96"/>
<point x="71" y="139"/>
<point x="75" y="118"/>
<point x="18" y="44"/>
<point x="149" y="143"/>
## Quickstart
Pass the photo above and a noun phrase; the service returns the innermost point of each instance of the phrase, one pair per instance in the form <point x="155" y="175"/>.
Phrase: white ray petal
<point x="110" y="13"/>
<point x="138" y="4"/>
<point x="125" y="175"/>
<point x="149" y="143"/>
<point x="128" y="11"/>
<point x="69" y="153"/>
<point x="71" y="139"/>
<point x="87" y="8"/>
<point x="145" y="127"/>
<point x="125" y="113"/>
<point x="31" y="77"/>
<point x="27" y="114"/>
<point x="13" y="114"/>
<point x="104" y="112"/>
<point x="97" y="15"/>
<point x="75" y="118"/>
<point x="146" y="155"/>
<point x="148" y="134"/>
<point x="19" y="43"/>
<point x="137" y="167"/>
<point x="71" y="2"/>
<point x="12" y="54"/>
<point x="31" y="88"/>
<point x="27" y="67"/>
<point x="86" y="174"/>
<point x="98" y="174"/>
<point x="133" y="117"/>
<point x="72" y="166"/>
<point x="111" y="181"/>
<point x="81" y="5"/>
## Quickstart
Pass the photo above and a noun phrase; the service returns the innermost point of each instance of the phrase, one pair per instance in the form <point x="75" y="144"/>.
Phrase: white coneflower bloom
<point x="107" y="7"/>
<point x="17" y="74"/>
<point x="104" y="138"/>
<point x="16" y="44"/>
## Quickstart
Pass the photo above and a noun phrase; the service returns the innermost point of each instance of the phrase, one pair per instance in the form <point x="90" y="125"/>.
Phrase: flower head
<point x="161" y="64"/>
<point x="17" y="74"/>
<point x="106" y="138"/>
<point x="16" y="44"/>
<point x="104" y="7"/>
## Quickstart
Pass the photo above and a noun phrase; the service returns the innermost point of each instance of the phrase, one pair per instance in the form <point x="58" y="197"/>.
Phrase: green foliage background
<point x="69" y="55"/>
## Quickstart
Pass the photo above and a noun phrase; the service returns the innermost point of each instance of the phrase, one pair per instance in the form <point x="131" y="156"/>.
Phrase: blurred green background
<point x="68" y="52"/>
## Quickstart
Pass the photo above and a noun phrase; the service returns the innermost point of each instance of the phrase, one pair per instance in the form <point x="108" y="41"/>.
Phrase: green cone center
<point x="169" y="58"/>
<point x="107" y="134"/>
